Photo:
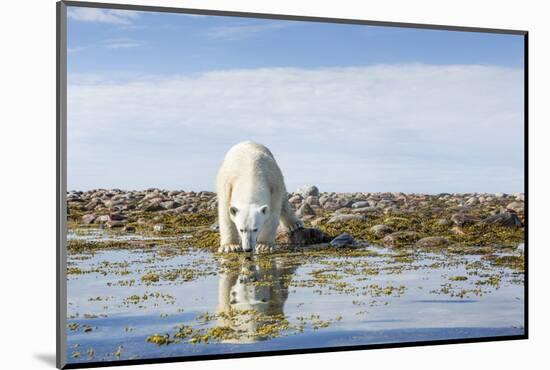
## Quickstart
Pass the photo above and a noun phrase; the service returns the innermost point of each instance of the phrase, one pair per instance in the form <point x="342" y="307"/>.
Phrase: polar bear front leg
<point x="229" y="238"/>
<point x="266" y="239"/>
<point x="289" y="218"/>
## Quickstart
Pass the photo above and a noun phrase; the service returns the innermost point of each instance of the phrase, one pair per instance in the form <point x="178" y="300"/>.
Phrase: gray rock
<point x="154" y="207"/>
<point x="215" y="226"/>
<point x="116" y="217"/>
<point x="308" y="190"/>
<point x="457" y="230"/>
<point x="102" y="219"/>
<point x="365" y="210"/>
<point x="331" y="206"/>
<point x="313" y="200"/>
<point x="169" y="204"/>
<point x="506" y="219"/>
<point x="432" y="242"/>
<point x="443" y="222"/>
<point x="381" y="230"/>
<point x="401" y="238"/>
<point x="516" y="206"/>
<point x="302" y="236"/>
<point x="295" y="199"/>
<point x="461" y="219"/>
<point x="344" y="217"/>
<point x="305" y="210"/>
<point x="520" y="197"/>
<point x="342" y="240"/>
<point x="385" y="203"/>
<point x="114" y="224"/>
<point x="88" y="219"/>
<point x="130" y="229"/>
<point x="361" y="204"/>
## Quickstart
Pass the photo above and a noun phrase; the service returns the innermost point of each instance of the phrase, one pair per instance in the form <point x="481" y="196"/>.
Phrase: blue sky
<point x="156" y="99"/>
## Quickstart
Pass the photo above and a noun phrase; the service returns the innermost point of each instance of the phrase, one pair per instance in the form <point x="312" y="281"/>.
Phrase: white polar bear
<point x="252" y="200"/>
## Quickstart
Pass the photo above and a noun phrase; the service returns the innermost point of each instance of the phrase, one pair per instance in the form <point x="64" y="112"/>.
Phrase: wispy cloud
<point x="120" y="44"/>
<point x="113" y="16"/>
<point x="422" y="128"/>
<point x="243" y="31"/>
<point x="76" y="49"/>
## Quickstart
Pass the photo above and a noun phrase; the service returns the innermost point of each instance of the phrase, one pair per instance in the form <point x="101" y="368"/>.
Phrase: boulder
<point x="443" y="222"/>
<point x="432" y="242"/>
<point x="516" y="206"/>
<point x="153" y="207"/>
<point x="461" y="219"/>
<point x="361" y="204"/>
<point x="88" y="219"/>
<point x="401" y="238"/>
<point x="342" y="240"/>
<point x="345" y="217"/>
<point x="308" y="190"/>
<point x="169" y="204"/>
<point x="313" y="200"/>
<point x="302" y="236"/>
<point x="505" y="219"/>
<point x="381" y="230"/>
<point x="305" y="210"/>
<point x="114" y="224"/>
<point x="130" y="229"/>
<point x="457" y="230"/>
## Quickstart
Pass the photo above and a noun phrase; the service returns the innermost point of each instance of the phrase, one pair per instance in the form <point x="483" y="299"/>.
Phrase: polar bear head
<point x="249" y="220"/>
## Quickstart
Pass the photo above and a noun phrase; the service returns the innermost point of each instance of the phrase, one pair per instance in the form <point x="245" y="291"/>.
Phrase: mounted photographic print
<point x="235" y="184"/>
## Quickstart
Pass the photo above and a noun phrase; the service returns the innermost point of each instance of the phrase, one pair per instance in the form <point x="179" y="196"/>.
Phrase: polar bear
<point x="252" y="200"/>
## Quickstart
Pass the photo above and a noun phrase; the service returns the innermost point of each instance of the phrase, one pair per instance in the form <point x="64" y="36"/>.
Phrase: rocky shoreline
<point x="467" y="222"/>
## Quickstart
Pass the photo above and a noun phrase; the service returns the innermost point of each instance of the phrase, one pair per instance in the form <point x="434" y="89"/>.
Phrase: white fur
<point x="252" y="199"/>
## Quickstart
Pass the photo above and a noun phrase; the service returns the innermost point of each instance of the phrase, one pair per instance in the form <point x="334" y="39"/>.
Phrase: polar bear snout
<point x="248" y="240"/>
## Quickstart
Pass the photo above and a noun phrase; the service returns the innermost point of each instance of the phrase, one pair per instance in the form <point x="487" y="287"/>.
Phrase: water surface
<point x="118" y="298"/>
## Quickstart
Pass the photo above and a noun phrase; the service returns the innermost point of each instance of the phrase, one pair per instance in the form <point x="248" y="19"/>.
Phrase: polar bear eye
<point x="255" y="230"/>
<point x="241" y="230"/>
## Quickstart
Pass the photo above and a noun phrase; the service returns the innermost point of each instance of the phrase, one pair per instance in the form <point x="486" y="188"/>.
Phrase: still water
<point x="165" y="301"/>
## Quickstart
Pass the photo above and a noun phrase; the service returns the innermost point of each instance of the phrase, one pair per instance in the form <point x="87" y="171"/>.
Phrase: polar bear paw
<point x="263" y="248"/>
<point x="227" y="248"/>
<point x="295" y="226"/>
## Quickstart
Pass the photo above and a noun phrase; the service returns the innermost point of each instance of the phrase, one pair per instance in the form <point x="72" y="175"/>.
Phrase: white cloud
<point x="113" y="16"/>
<point x="120" y="44"/>
<point x="243" y="31"/>
<point x="378" y="128"/>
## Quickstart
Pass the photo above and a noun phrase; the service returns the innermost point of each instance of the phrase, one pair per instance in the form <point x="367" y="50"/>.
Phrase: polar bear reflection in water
<point x="251" y="297"/>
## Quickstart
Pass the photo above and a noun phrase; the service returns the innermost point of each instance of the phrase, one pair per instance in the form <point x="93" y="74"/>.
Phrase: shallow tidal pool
<point x="170" y="300"/>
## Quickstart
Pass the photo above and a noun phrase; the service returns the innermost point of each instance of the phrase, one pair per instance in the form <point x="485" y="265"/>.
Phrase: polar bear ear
<point x="233" y="211"/>
<point x="264" y="209"/>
